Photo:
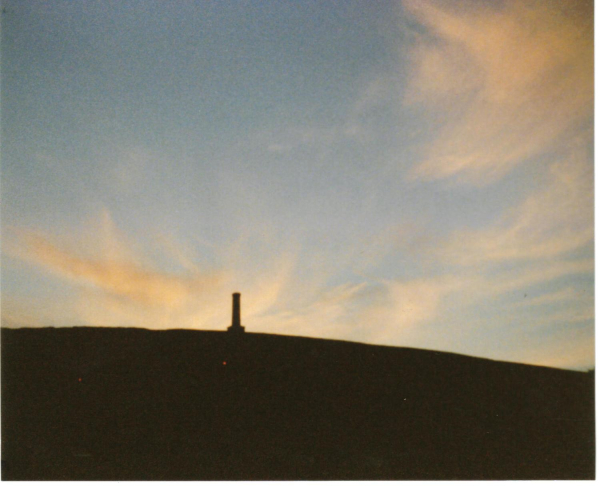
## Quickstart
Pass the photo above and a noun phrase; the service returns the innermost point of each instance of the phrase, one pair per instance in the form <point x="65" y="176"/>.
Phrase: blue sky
<point x="408" y="173"/>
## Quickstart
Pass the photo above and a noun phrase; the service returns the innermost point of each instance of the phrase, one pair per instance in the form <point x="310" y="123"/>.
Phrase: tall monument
<point x="236" y="321"/>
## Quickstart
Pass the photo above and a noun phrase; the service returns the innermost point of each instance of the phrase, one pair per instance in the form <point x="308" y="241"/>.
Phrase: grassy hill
<point x="104" y="403"/>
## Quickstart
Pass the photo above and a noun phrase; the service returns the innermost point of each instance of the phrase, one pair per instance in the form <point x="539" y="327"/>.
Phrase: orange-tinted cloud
<point x="118" y="278"/>
<point x="508" y="81"/>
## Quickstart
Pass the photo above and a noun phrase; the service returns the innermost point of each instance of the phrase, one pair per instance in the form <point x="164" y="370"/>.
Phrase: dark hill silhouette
<point x="105" y="403"/>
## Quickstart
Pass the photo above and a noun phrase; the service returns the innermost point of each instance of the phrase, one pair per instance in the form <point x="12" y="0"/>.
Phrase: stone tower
<point x="236" y="321"/>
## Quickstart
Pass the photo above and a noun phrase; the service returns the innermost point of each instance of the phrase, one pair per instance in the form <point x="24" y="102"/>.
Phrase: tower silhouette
<point x="236" y="321"/>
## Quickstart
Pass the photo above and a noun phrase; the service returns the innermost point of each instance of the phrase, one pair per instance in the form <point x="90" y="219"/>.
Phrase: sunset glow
<point x="409" y="173"/>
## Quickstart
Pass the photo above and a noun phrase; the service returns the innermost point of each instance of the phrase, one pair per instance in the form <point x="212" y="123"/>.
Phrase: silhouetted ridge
<point x="106" y="403"/>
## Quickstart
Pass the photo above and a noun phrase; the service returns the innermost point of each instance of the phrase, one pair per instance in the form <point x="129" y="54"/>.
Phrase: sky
<point x="410" y="173"/>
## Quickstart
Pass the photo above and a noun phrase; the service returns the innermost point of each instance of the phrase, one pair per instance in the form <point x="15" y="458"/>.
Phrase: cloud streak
<point x="549" y="223"/>
<point x="123" y="279"/>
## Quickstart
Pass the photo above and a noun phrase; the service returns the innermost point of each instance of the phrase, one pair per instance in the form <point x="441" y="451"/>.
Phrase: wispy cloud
<point x="505" y="82"/>
<point x="549" y="223"/>
<point x="352" y="125"/>
<point x="124" y="279"/>
<point x="379" y="312"/>
<point x="119" y="278"/>
<point x="325" y="316"/>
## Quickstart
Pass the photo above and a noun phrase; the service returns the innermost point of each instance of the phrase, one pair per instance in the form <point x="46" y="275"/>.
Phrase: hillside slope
<point x="103" y="403"/>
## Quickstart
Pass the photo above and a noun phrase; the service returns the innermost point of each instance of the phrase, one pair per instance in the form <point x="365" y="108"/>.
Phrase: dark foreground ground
<point x="92" y="403"/>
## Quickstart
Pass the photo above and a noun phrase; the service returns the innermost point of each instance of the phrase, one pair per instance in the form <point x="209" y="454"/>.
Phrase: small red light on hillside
<point x="79" y="380"/>
<point x="224" y="363"/>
